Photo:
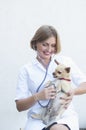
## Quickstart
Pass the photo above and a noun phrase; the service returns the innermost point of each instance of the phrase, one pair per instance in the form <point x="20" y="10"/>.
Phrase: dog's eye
<point x="59" y="72"/>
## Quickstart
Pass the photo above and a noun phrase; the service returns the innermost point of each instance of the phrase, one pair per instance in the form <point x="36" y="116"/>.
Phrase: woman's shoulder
<point x="26" y="66"/>
<point x="29" y="65"/>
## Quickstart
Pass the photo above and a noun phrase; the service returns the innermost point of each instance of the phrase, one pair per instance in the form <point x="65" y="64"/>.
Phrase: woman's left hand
<point x="68" y="98"/>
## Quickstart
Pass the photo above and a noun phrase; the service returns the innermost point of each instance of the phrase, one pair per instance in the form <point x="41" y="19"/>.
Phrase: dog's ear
<point x="67" y="69"/>
<point x="56" y="62"/>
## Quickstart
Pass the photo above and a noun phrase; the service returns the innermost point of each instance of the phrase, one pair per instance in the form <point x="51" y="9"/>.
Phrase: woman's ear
<point x="34" y="46"/>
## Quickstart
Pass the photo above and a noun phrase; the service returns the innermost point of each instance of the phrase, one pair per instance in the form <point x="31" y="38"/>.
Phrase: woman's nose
<point x="49" y="48"/>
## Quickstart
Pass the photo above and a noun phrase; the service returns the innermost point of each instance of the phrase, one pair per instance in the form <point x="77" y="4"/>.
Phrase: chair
<point x="21" y="129"/>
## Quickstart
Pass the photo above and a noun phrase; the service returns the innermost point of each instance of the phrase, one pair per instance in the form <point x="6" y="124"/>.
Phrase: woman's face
<point x="46" y="48"/>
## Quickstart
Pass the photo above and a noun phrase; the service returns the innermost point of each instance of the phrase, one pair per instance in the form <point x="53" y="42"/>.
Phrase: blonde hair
<point x="43" y="33"/>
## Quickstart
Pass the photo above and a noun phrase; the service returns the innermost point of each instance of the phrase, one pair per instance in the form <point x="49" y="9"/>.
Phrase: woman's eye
<point x="44" y="44"/>
<point x="53" y="46"/>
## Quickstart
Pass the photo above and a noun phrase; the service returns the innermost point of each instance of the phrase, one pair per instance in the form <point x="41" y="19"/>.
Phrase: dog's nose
<point x="53" y="73"/>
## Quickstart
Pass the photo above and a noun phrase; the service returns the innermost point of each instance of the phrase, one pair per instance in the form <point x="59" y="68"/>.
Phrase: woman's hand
<point x="47" y="93"/>
<point x="67" y="99"/>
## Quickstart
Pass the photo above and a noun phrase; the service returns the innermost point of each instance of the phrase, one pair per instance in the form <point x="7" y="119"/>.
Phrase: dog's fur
<point x="62" y="85"/>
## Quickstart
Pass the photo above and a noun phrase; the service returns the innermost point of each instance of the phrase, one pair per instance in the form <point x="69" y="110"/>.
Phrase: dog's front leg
<point x="58" y="88"/>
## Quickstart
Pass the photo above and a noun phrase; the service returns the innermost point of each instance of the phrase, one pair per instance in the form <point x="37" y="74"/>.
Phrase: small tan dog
<point x="62" y="85"/>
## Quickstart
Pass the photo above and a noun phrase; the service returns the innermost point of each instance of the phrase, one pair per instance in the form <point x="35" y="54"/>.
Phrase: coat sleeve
<point x="22" y="89"/>
<point x="77" y="75"/>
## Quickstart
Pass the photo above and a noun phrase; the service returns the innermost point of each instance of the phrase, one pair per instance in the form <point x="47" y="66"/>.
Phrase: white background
<point x="19" y="19"/>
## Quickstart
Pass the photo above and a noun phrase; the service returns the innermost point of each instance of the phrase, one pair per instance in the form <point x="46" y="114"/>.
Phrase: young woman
<point x="31" y="92"/>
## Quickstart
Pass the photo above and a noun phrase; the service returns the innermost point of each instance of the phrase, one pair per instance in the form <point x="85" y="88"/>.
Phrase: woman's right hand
<point x="47" y="93"/>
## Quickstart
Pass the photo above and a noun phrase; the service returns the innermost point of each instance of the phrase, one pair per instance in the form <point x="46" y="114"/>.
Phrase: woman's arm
<point x="26" y="103"/>
<point x="81" y="89"/>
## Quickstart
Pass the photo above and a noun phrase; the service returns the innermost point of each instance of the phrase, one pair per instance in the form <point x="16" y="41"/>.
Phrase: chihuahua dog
<point x="62" y="85"/>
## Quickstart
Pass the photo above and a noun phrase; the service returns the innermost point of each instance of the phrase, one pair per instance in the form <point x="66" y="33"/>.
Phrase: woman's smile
<point x="46" y="48"/>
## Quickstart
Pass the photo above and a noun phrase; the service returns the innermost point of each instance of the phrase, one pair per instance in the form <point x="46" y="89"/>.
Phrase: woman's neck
<point x="44" y="62"/>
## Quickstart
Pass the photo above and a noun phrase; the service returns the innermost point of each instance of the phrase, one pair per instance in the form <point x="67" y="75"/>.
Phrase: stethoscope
<point x="42" y="84"/>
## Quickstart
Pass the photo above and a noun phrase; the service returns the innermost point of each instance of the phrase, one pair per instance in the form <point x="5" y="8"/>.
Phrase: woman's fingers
<point x="66" y="100"/>
<point x="50" y="92"/>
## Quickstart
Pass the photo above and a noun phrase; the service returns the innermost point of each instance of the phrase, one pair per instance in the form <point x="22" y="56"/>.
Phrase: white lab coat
<point x="31" y="76"/>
